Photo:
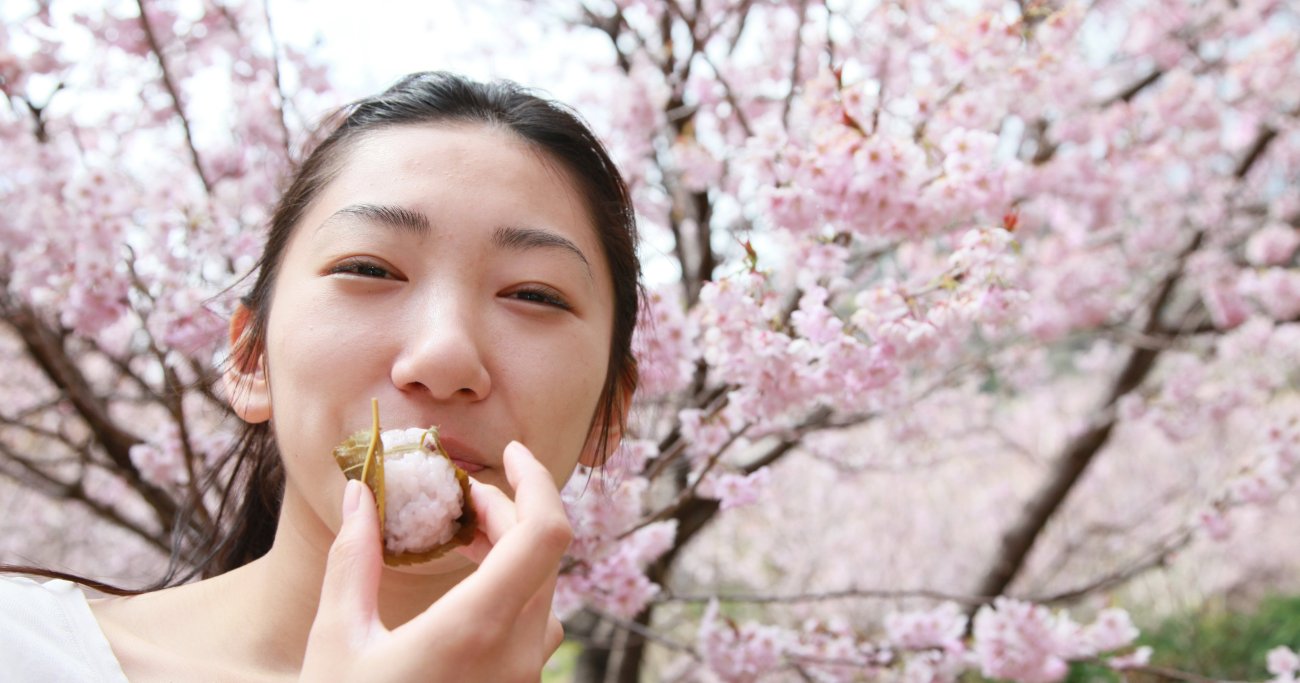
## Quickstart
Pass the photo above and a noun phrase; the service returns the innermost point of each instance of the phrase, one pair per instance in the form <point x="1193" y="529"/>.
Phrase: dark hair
<point x="244" y="526"/>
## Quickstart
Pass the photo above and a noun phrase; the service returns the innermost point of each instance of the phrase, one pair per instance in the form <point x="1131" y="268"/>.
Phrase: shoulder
<point x="48" y="633"/>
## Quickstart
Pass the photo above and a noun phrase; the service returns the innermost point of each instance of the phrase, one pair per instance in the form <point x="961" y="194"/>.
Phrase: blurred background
<point x="948" y="301"/>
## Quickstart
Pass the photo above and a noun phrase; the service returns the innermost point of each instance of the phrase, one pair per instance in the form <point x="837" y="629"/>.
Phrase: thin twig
<point x="1156" y="559"/>
<point x="830" y="596"/>
<point x="645" y="632"/>
<point x="275" y="76"/>
<point x="175" y="94"/>
<point x="794" y="63"/>
<point x="730" y="94"/>
<point x="56" y="490"/>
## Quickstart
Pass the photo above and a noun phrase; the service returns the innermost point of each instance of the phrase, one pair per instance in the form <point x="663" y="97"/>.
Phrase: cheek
<point x="313" y="361"/>
<point x="563" y="385"/>
<point x="311" y="341"/>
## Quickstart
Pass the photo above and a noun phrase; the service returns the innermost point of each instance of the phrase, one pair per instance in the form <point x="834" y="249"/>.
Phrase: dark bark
<point x="1082" y="450"/>
<point x="45" y="347"/>
<point x="691" y="518"/>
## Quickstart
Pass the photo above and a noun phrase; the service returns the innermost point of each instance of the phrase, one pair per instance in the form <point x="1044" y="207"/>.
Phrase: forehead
<point x="436" y="169"/>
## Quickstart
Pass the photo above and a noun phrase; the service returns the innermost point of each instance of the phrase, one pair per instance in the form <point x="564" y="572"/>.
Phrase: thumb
<point x="349" y="593"/>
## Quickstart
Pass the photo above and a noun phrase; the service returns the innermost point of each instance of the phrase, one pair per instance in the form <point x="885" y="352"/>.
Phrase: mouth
<point x="462" y="454"/>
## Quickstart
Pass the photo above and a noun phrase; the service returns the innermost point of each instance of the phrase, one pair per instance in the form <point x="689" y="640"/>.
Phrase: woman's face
<point x="453" y="273"/>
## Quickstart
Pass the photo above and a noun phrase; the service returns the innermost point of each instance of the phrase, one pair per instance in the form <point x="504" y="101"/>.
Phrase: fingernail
<point x="351" y="497"/>
<point x="518" y="450"/>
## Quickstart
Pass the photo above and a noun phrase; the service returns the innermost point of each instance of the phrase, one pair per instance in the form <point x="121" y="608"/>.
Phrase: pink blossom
<point x="735" y="490"/>
<point x="814" y="321"/>
<point x="630" y="458"/>
<point x="184" y="322"/>
<point x="1215" y="524"/>
<point x="704" y="437"/>
<point x="159" y="464"/>
<point x="942" y="627"/>
<point x="649" y="542"/>
<point x="663" y="344"/>
<point x="600" y="510"/>
<point x="1283" y="663"/>
<point x="1276" y="290"/>
<point x="1139" y="657"/>
<point x="571" y="592"/>
<point x="1023" y="642"/>
<point x="739" y="653"/>
<point x="618" y="585"/>
<point x="698" y="168"/>
<point x="1273" y="245"/>
<point x="1111" y="630"/>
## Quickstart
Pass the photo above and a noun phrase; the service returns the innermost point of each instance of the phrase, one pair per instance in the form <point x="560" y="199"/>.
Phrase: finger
<point x="350" y="591"/>
<point x="540" y="609"/>
<point x="495" y="513"/>
<point x="528" y="554"/>
<point x="534" y="488"/>
<point x="538" y="613"/>
<point x="476" y="551"/>
<point x="554" y="636"/>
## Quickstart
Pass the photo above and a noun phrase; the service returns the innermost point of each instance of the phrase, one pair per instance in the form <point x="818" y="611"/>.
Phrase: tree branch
<point x="174" y="93"/>
<point x="1127" y="94"/>
<point x="275" y="76"/>
<point x="830" y="596"/>
<point x="46" y="350"/>
<point x="1080" y="452"/>
<point x="1156" y="558"/>
<point x="59" y="491"/>
<point x="794" y="63"/>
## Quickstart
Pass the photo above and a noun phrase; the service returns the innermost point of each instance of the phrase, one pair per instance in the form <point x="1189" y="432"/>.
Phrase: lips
<point x="466" y="456"/>
<point x="462" y="454"/>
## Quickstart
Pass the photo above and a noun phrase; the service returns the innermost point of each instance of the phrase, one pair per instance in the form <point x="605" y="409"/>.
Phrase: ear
<point x="245" y="380"/>
<point x="590" y="457"/>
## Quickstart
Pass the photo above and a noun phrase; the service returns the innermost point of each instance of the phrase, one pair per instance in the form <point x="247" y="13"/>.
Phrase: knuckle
<point x="554" y="636"/>
<point x="486" y="637"/>
<point x="524" y="673"/>
<point x="554" y="533"/>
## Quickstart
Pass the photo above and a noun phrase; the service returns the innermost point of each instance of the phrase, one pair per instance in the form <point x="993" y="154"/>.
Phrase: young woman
<point x="464" y="253"/>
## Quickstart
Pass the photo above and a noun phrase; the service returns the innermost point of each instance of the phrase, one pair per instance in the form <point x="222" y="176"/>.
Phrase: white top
<point x="48" y="634"/>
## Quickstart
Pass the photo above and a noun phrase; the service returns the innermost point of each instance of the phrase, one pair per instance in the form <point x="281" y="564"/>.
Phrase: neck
<point x="257" y="618"/>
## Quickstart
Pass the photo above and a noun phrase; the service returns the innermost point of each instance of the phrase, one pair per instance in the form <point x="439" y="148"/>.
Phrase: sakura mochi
<point x="421" y="494"/>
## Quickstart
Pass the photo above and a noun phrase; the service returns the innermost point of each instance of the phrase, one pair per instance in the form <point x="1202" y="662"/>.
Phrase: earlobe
<point x="245" y="380"/>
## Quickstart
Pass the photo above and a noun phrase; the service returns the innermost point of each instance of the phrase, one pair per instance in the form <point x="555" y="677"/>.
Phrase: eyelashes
<point x="531" y="293"/>
<point x="362" y="268"/>
<point x="541" y="295"/>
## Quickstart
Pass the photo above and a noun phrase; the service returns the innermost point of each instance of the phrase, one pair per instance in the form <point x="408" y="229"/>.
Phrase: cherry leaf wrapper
<point x="361" y="456"/>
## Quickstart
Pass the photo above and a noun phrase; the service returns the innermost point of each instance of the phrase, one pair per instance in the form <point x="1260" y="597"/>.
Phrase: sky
<point x="369" y="48"/>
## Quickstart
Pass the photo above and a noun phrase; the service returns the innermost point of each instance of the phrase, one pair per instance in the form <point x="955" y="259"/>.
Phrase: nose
<point x="441" y="355"/>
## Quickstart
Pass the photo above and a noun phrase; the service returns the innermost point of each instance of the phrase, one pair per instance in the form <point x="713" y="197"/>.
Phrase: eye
<point x="540" y="295"/>
<point x="362" y="268"/>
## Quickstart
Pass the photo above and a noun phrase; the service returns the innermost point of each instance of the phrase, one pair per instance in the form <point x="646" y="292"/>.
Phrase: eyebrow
<point x="515" y="238"/>
<point x="522" y="239"/>
<point x="393" y="216"/>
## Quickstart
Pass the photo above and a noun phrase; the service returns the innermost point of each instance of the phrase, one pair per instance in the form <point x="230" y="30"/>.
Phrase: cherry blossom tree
<point x="142" y="148"/>
<point x="966" y="320"/>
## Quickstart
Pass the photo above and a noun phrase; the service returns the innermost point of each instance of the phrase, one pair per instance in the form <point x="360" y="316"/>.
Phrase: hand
<point x="496" y="625"/>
